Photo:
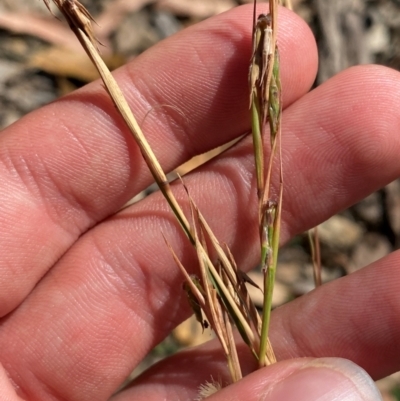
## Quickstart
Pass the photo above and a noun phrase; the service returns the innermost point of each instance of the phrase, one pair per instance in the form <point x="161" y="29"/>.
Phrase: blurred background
<point x="40" y="60"/>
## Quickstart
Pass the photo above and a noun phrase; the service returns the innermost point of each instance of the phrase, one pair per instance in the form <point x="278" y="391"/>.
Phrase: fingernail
<point x="325" y="379"/>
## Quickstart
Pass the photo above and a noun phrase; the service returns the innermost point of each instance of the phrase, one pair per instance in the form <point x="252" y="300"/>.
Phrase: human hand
<point x="84" y="296"/>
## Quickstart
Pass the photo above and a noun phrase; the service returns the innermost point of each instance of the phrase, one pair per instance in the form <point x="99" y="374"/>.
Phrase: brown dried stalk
<point x="80" y="22"/>
<point x="313" y="239"/>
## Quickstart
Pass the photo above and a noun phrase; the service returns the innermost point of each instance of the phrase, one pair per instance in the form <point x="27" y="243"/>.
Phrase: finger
<point x="339" y="148"/>
<point x="354" y="317"/>
<point x="306" y="379"/>
<point x="319" y="324"/>
<point x="72" y="163"/>
<point x="119" y="291"/>
<point x="315" y="380"/>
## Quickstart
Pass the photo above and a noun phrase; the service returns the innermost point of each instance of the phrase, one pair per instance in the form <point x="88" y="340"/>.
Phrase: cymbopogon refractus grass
<point x="266" y="105"/>
<point x="218" y="294"/>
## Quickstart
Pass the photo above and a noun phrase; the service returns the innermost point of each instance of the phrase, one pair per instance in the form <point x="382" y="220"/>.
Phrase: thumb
<point x="324" y="379"/>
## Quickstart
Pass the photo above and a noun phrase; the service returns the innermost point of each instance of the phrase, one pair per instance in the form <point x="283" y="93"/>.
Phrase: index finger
<point x="72" y="163"/>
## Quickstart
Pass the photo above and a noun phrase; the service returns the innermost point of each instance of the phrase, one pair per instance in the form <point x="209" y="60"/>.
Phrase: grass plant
<point x="315" y="255"/>
<point x="266" y="105"/>
<point x="218" y="294"/>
